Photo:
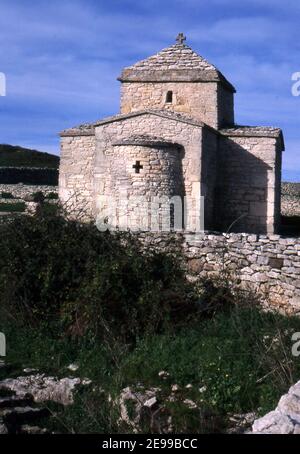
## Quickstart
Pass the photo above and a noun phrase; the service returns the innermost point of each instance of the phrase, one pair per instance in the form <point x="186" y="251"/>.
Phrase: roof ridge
<point x="179" y="55"/>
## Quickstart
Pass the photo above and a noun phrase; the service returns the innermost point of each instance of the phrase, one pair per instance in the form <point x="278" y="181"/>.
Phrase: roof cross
<point x="180" y="38"/>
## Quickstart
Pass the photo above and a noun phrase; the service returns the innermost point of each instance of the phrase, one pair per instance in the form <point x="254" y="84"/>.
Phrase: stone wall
<point x="267" y="265"/>
<point x="249" y="184"/>
<point x="76" y="172"/>
<point x="189" y="136"/>
<point x="209" y="165"/>
<point x="159" y="177"/>
<point x="205" y="101"/>
<point x="22" y="191"/>
<point x="290" y="201"/>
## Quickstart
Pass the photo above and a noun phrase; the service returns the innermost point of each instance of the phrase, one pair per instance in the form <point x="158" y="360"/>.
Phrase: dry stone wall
<point x="290" y="200"/>
<point x="268" y="265"/>
<point x="22" y="191"/>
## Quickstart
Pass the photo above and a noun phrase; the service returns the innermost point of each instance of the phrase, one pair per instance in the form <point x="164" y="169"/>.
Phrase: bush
<point x="37" y="197"/>
<point x="52" y="196"/>
<point x="7" y="195"/>
<point x="18" y="207"/>
<point x="88" y="281"/>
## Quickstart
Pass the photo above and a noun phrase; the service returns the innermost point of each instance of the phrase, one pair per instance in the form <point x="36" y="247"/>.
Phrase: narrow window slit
<point x="169" y="97"/>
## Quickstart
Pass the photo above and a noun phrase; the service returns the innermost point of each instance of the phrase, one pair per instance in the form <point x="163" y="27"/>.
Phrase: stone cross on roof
<point x="180" y="38"/>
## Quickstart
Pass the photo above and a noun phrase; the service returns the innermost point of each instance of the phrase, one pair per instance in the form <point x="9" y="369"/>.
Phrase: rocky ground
<point x="25" y="406"/>
<point x="24" y="400"/>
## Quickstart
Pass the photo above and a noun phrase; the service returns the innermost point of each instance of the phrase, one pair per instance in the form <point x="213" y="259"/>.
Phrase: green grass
<point x="242" y="357"/>
<point x="16" y="156"/>
<point x="71" y="294"/>
<point x="18" y="207"/>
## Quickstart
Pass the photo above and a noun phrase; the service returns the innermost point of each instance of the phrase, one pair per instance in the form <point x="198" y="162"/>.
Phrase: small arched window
<point x="169" y="97"/>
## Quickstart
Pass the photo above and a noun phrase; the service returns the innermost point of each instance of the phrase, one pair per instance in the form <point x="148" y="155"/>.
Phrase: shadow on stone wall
<point x="241" y="190"/>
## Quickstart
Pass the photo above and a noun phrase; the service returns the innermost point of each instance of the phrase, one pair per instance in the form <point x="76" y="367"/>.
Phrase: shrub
<point x="18" y="207"/>
<point x="89" y="281"/>
<point x="7" y="195"/>
<point x="52" y="196"/>
<point x="38" y="197"/>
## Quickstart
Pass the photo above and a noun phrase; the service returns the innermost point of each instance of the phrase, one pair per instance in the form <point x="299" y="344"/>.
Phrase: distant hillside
<point x="15" y="156"/>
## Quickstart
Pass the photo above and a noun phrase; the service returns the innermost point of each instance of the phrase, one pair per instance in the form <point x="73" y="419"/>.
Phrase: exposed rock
<point x="44" y="388"/>
<point x="33" y="430"/>
<point x="285" y="419"/>
<point x="73" y="367"/>
<point x="135" y="401"/>
<point x="163" y="374"/>
<point x="273" y="423"/>
<point x="241" y="423"/>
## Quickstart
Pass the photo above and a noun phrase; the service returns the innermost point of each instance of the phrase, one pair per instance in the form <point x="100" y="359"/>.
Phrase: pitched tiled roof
<point x="253" y="131"/>
<point x="177" y="63"/>
<point x="178" y="56"/>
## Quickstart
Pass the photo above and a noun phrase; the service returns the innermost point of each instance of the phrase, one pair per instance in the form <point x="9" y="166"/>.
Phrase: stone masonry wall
<point x="76" y="172"/>
<point x="268" y="265"/>
<point x="199" y="100"/>
<point x="22" y="191"/>
<point x="249" y="187"/>
<point x="160" y="176"/>
<point x="290" y="202"/>
<point x="187" y="135"/>
<point x="209" y="164"/>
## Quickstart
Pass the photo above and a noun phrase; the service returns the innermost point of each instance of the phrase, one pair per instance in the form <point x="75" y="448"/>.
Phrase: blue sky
<point x="61" y="59"/>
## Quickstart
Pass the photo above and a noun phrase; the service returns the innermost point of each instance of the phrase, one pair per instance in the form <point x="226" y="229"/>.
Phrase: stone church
<point x="176" y="136"/>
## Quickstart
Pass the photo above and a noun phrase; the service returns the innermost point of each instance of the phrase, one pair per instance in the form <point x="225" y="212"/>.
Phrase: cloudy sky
<point x="61" y="59"/>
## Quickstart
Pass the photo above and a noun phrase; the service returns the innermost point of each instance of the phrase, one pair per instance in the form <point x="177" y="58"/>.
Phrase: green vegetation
<point x="52" y="196"/>
<point x="15" y="156"/>
<point x="6" y="195"/>
<point x="71" y="294"/>
<point x="18" y="207"/>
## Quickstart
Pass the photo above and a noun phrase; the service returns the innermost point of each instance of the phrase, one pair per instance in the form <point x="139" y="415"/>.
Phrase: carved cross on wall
<point x="180" y="38"/>
<point x="137" y="166"/>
